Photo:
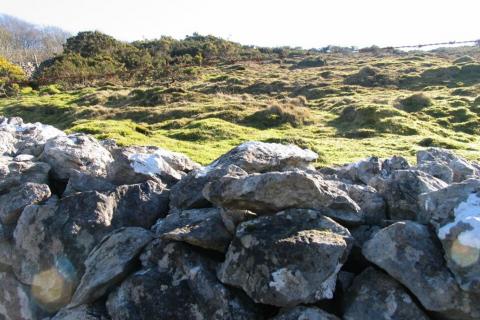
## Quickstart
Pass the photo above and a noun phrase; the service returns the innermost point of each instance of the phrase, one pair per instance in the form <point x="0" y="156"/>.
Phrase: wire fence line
<point x="476" y="42"/>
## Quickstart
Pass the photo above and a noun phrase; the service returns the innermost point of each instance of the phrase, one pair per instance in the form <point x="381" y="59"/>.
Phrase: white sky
<point x="306" y="23"/>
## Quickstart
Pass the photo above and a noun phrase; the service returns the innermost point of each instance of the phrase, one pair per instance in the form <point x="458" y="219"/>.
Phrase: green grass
<point x="348" y="108"/>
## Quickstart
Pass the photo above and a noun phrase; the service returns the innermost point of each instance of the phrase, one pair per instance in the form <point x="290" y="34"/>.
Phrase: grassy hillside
<point x="345" y="107"/>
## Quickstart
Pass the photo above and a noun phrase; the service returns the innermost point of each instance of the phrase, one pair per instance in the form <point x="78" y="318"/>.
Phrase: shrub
<point x="310" y="62"/>
<point x="370" y="77"/>
<point x="415" y="102"/>
<point x="10" y="76"/>
<point x="278" y="114"/>
<point x="464" y="59"/>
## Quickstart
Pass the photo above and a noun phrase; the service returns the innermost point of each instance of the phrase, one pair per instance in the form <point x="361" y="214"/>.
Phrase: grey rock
<point x="81" y="182"/>
<point x="109" y="262"/>
<point x="199" y="227"/>
<point x="137" y="164"/>
<point x="455" y="212"/>
<point x="402" y="189"/>
<point x="96" y="311"/>
<point x="16" y="302"/>
<point x="187" y="193"/>
<point x="286" y="259"/>
<point x="439" y="170"/>
<point x="14" y="174"/>
<point x="12" y="203"/>
<point x="304" y="313"/>
<point x="260" y="157"/>
<point x="372" y="205"/>
<point x="78" y="152"/>
<point x="275" y="191"/>
<point x="438" y="207"/>
<point x="460" y="167"/>
<point x="176" y="283"/>
<point x="394" y="163"/>
<point x="232" y="218"/>
<point x="410" y="253"/>
<point x="28" y="138"/>
<point x="140" y="205"/>
<point x="363" y="170"/>
<point x="375" y="295"/>
<point x="7" y="143"/>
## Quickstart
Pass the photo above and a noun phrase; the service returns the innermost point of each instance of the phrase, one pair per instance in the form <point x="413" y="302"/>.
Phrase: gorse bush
<point x="10" y="76"/>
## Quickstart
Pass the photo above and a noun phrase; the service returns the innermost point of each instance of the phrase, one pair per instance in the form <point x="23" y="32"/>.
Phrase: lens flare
<point x="464" y="256"/>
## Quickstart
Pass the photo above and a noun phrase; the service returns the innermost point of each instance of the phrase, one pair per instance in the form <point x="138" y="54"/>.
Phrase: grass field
<point x="353" y="107"/>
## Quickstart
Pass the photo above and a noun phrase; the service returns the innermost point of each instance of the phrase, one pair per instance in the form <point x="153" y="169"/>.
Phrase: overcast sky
<point x="306" y="23"/>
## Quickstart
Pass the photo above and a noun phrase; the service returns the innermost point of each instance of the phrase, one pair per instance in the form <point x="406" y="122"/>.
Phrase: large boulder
<point x="276" y="191"/>
<point x="439" y="170"/>
<point x="187" y="193"/>
<point x="460" y="167"/>
<point x="12" y="203"/>
<point x="176" y="282"/>
<point x="455" y="213"/>
<point x="372" y="205"/>
<point x="24" y="138"/>
<point x="410" y="253"/>
<point x="14" y="174"/>
<point x="401" y="191"/>
<point x="287" y="259"/>
<point x="76" y="152"/>
<point x="394" y="163"/>
<point x="109" y="263"/>
<point x="259" y="157"/>
<point x="304" y="313"/>
<point x="199" y="227"/>
<point x="137" y="164"/>
<point x="363" y="170"/>
<point x="250" y="157"/>
<point x="375" y="295"/>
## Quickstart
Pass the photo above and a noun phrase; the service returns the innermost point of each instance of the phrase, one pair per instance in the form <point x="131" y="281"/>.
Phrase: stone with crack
<point x="287" y="259"/>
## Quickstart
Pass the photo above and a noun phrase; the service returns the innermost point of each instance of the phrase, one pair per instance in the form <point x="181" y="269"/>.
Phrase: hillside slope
<point x="355" y="105"/>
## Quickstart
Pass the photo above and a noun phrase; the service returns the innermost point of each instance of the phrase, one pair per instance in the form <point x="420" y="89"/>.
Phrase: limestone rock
<point x="460" y="167"/>
<point x="199" y="227"/>
<point x="439" y="170"/>
<point x="362" y="171"/>
<point x="409" y="252"/>
<point x="375" y="295"/>
<point x="259" y="157"/>
<point x="76" y="152"/>
<point x="304" y="313"/>
<point x="15" y="300"/>
<point x="187" y="193"/>
<point x="394" y="163"/>
<point x="177" y="283"/>
<point x="96" y="311"/>
<point x="455" y="213"/>
<point x="12" y="203"/>
<point x="275" y="191"/>
<point x="138" y="164"/>
<point x="109" y="263"/>
<point x="401" y="191"/>
<point x="286" y="259"/>
<point x="14" y="174"/>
